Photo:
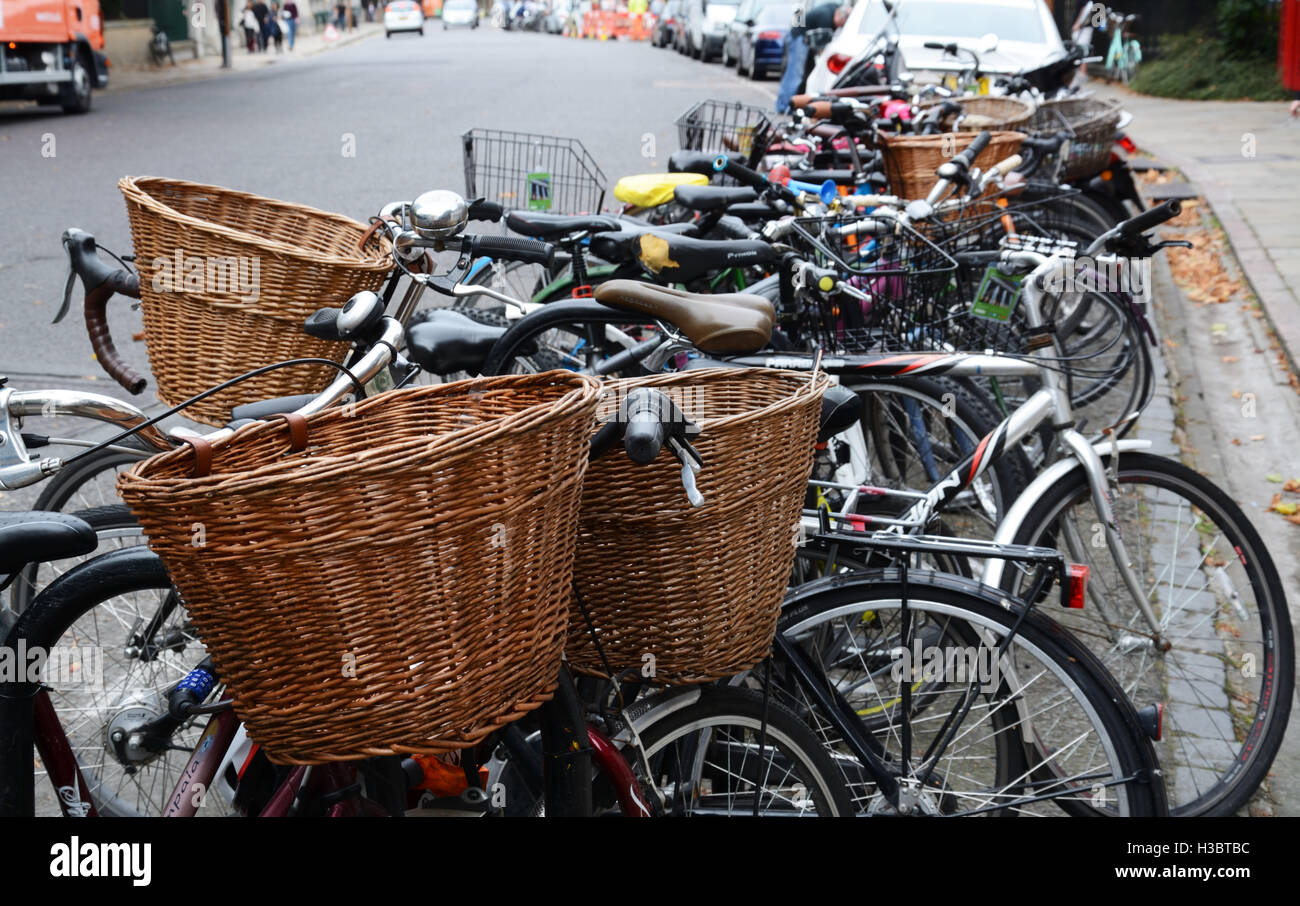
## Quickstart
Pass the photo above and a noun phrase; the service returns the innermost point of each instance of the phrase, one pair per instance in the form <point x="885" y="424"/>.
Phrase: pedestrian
<point x="249" y="23"/>
<point x="262" y="13"/>
<point x="290" y="21"/>
<point x="340" y="16"/>
<point x="824" y="15"/>
<point x="275" y="32"/>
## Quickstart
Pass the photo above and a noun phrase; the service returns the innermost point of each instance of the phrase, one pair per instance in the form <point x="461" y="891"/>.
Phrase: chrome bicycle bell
<point x="439" y="214"/>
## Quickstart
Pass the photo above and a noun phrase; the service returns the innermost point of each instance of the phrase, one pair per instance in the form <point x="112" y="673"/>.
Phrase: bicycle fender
<point x="1019" y="511"/>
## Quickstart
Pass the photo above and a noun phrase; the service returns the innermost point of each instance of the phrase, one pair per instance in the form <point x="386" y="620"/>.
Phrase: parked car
<point x="755" y="39"/>
<point x="460" y="12"/>
<point x="706" y="23"/>
<point x="1027" y="36"/>
<point x="403" y="15"/>
<point x="669" y="24"/>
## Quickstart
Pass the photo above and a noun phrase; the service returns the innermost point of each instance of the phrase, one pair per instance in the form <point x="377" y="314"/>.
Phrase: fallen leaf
<point x="1229" y="359"/>
<point x="1286" y="509"/>
<point x="1293" y="486"/>
<point x="1273" y="477"/>
<point x="1257" y="437"/>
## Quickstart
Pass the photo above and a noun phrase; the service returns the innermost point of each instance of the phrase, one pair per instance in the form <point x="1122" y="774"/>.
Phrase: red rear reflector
<point x="770" y="36"/>
<point x="837" y="62"/>
<point x="1078" y="585"/>
<point x="1128" y="144"/>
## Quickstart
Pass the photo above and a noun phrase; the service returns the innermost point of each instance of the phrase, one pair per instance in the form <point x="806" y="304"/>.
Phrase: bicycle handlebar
<point x="101" y="282"/>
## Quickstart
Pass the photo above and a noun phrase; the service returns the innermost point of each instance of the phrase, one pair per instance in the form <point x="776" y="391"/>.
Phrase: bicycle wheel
<point x="114" y="527"/>
<point x="919" y="429"/>
<point x="135" y="622"/>
<point x="1044" y="686"/>
<point x="1227" y="678"/>
<point x="730" y="753"/>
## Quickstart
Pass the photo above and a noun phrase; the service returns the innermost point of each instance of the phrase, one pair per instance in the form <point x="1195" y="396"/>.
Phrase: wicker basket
<point x="695" y="592"/>
<point x="288" y="260"/>
<point x="402" y="583"/>
<point x="911" y="160"/>
<point x="991" y="113"/>
<point x="1091" y="124"/>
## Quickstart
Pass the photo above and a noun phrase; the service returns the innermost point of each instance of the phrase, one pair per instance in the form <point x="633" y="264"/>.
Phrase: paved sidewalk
<point x="189" y="70"/>
<point x="1244" y="157"/>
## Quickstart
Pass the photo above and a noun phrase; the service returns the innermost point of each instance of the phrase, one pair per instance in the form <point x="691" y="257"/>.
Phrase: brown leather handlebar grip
<point x="802" y="100"/>
<point x="820" y="110"/>
<point x="859" y="91"/>
<point x="100" y="338"/>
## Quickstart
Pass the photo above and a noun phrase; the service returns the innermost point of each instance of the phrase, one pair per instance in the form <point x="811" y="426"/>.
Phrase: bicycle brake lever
<point x="691" y="462"/>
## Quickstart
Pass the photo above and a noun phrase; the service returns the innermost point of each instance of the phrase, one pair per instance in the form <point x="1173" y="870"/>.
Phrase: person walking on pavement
<point x="824" y="15"/>
<point x="249" y="23"/>
<point x="274" y="30"/>
<point x="290" y="21"/>
<point x="263" y="14"/>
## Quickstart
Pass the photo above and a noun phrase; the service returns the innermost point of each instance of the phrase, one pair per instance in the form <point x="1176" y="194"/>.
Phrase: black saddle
<point x="549" y="226"/>
<point x="713" y="198"/>
<point x="446" y="341"/>
<point x="680" y="259"/>
<point x="38" y="537"/>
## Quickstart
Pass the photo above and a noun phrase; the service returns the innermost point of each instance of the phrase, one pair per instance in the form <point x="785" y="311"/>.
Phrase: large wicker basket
<point x="681" y="594"/>
<point x="204" y="325"/>
<point x="400" y="584"/>
<point x="911" y="160"/>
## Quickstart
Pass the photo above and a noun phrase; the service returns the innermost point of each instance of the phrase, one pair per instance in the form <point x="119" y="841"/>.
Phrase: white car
<point x="403" y="15"/>
<point x="1027" y="36"/>
<point x="460" y="12"/>
<point x="706" y="26"/>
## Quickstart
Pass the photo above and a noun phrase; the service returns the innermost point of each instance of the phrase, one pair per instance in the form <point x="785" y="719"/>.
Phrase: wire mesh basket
<point x="896" y="283"/>
<point x="536" y="172"/>
<point x="720" y="126"/>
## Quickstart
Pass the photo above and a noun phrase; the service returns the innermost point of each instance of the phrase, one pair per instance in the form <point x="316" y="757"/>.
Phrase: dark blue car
<point x="755" y="39"/>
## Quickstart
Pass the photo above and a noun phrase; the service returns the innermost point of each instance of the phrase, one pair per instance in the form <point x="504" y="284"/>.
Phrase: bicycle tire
<point x="1257" y="735"/>
<point x="787" y="737"/>
<point x="72" y="608"/>
<point x="1131" y="757"/>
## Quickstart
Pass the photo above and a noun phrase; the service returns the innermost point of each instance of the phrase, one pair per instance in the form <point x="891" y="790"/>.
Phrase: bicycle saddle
<point x="713" y="198"/>
<point x="548" y="226"/>
<point x="38" y="537"/>
<point x="447" y="341"/>
<point x="649" y="190"/>
<point x="726" y="323"/>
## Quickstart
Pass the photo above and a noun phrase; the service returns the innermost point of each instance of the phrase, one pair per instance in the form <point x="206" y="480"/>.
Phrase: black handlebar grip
<point x="752" y="178"/>
<point x="482" y="209"/>
<point x="646" y="409"/>
<point x="1151" y="219"/>
<point x="976" y="148"/>
<point x="510" y="248"/>
<point x="102" y="341"/>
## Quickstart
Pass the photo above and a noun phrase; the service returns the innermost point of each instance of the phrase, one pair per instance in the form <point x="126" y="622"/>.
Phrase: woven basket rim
<point x="131" y="187"/>
<point x="903" y="141"/>
<point x="274" y="473"/>
<point x="807" y="383"/>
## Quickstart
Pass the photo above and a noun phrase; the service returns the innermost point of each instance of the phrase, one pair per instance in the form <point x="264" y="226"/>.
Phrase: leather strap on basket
<point x="202" y="456"/>
<point x="297" y="430"/>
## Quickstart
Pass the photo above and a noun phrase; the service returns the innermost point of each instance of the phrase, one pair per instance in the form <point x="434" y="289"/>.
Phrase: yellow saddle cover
<point x="649" y="190"/>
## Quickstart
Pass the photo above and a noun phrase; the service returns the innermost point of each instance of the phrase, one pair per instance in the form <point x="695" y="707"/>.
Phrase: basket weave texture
<point x="402" y="584"/>
<point x="1092" y="124"/>
<point x="697" y="589"/>
<point x="203" y="327"/>
<point x="911" y="160"/>
<point x="991" y="113"/>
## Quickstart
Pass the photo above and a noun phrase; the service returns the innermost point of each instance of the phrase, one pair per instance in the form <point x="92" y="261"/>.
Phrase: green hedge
<point x="1202" y="67"/>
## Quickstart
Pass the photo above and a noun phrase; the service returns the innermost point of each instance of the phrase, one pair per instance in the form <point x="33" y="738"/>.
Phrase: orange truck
<point x="51" y="52"/>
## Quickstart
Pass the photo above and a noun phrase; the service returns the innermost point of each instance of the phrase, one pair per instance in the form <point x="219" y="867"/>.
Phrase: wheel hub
<point x="121" y="733"/>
